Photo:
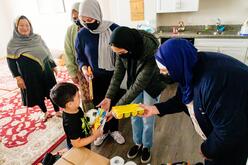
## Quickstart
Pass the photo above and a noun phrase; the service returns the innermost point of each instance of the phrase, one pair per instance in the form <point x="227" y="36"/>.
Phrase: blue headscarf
<point x="179" y="56"/>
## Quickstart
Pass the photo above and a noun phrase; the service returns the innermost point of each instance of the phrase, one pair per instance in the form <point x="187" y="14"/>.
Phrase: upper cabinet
<point x="171" y="6"/>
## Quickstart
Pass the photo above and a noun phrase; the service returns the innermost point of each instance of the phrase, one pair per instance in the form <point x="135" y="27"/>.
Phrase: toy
<point x="100" y="119"/>
<point x="127" y="110"/>
<point x="91" y="115"/>
<point x="97" y="118"/>
<point x="90" y="82"/>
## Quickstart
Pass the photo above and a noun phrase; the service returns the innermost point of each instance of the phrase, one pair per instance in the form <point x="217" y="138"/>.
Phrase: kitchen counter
<point x="190" y="34"/>
<point x="197" y="32"/>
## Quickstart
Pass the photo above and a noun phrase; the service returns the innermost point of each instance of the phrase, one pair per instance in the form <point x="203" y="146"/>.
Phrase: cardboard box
<point x="82" y="156"/>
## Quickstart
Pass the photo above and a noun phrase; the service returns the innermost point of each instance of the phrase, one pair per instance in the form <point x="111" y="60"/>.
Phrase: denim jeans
<point x="143" y="127"/>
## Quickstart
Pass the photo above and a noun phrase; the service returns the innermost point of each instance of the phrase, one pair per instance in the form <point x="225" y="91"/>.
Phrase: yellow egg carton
<point x="127" y="110"/>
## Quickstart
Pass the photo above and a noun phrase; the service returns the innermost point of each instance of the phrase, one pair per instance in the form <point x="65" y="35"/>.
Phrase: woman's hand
<point x="55" y="71"/>
<point x="20" y="82"/>
<point x="75" y="80"/>
<point x="105" y="104"/>
<point x="149" y="110"/>
<point x="109" y="116"/>
<point x="87" y="75"/>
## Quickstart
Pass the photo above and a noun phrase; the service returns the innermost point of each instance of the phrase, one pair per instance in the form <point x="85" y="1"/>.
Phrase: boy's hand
<point x="97" y="133"/>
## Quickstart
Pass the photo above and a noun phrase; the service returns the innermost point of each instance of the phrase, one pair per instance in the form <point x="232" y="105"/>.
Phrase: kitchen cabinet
<point x="171" y="6"/>
<point x="237" y="48"/>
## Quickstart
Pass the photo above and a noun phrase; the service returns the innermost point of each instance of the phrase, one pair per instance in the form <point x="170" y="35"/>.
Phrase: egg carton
<point x="127" y="111"/>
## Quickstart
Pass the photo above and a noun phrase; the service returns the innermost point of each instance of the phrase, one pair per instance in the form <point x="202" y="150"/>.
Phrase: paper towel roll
<point x="130" y="163"/>
<point x="117" y="160"/>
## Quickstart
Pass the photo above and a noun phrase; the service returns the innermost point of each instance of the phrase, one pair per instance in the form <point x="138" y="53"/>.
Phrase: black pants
<point x="44" y="109"/>
<point x="100" y="87"/>
<point x="235" y="159"/>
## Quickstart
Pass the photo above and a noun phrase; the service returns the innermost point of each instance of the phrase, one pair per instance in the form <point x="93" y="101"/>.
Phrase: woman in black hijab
<point x="135" y="51"/>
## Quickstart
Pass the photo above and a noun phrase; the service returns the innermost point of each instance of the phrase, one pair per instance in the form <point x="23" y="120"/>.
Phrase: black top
<point x="76" y="125"/>
<point x="38" y="81"/>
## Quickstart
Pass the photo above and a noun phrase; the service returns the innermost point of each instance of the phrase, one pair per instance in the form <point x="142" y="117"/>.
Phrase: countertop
<point x="197" y="32"/>
<point x="191" y="34"/>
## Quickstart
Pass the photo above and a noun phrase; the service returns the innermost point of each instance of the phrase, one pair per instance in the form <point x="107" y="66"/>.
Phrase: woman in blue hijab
<point x="213" y="91"/>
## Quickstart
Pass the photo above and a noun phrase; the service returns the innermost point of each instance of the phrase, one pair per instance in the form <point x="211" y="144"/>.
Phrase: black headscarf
<point x="132" y="41"/>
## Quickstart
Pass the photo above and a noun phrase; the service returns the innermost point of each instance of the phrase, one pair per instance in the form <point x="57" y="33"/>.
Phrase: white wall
<point x="229" y="11"/>
<point x="5" y="26"/>
<point x="118" y="11"/>
<point x="51" y="26"/>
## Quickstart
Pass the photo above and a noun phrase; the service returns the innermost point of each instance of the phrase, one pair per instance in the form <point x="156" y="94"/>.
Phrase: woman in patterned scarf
<point x="31" y="64"/>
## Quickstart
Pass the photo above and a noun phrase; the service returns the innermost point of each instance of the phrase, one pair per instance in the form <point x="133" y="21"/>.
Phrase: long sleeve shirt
<point x="70" y="52"/>
<point x="87" y="49"/>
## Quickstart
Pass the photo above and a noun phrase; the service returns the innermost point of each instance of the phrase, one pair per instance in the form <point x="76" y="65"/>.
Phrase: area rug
<point x="24" y="136"/>
<point x="7" y="82"/>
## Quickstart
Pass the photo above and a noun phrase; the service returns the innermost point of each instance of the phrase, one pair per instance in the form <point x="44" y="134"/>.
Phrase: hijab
<point x="179" y="56"/>
<point x="75" y="7"/>
<point x="91" y="8"/>
<point x="31" y="46"/>
<point x="132" y="41"/>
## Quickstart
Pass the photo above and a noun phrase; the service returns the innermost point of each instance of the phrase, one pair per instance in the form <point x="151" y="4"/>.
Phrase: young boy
<point x="76" y="127"/>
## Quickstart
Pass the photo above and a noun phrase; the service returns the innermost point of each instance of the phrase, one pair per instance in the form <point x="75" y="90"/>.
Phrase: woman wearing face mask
<point x="213" y="91"/>
<point x="70" y="59"/>
<point x="31" y="63"/>
<point x="135" y="51"/>
<point x="93" y="50"/>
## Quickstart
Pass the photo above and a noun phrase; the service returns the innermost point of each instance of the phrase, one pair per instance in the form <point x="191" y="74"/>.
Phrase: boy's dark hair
<point x="63" y="93"/>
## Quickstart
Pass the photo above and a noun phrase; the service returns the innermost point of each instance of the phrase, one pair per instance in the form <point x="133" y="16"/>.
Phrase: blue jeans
<point x="143" y="127"/>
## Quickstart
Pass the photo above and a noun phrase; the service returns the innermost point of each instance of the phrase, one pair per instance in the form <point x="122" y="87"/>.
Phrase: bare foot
<point x="58" y="114"/>
<point x="46" y="116"/>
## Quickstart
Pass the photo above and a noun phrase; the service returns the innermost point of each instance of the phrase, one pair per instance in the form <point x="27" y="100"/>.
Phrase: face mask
<point x="92" y="26"/>
<point x="77" y="22"/>
<point x="125" y="55"/>
<point x="166" y="78"/>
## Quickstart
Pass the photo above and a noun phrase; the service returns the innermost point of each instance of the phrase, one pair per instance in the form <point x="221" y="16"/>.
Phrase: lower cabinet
<point x="237" y="48"/>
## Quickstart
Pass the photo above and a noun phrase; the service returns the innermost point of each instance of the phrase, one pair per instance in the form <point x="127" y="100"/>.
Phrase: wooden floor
<point x="174" y="140"/>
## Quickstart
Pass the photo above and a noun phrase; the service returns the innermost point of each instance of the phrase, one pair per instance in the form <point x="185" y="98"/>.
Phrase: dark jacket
<point x="147" y="73"/>
<point x="220" y="85"/>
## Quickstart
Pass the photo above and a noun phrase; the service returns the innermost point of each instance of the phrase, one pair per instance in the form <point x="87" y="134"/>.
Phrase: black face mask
<point x="92" y="26"/>
<point x="166" y="78"/>
<point x="125" y="55"/>
<point x="77" y="22"/>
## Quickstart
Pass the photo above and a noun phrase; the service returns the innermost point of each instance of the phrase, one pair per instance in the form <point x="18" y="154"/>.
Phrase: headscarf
<point x="31" y="46"/>
<point x="91" y="8"/>
<point x="132" y="41"/>
<point x="179" y="56"/>
<point x="75" y="6"/>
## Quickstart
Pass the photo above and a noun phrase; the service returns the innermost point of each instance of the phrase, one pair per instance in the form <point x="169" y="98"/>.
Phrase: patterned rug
<point x="24" y="136"/>
<point x="7" y="82"/>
